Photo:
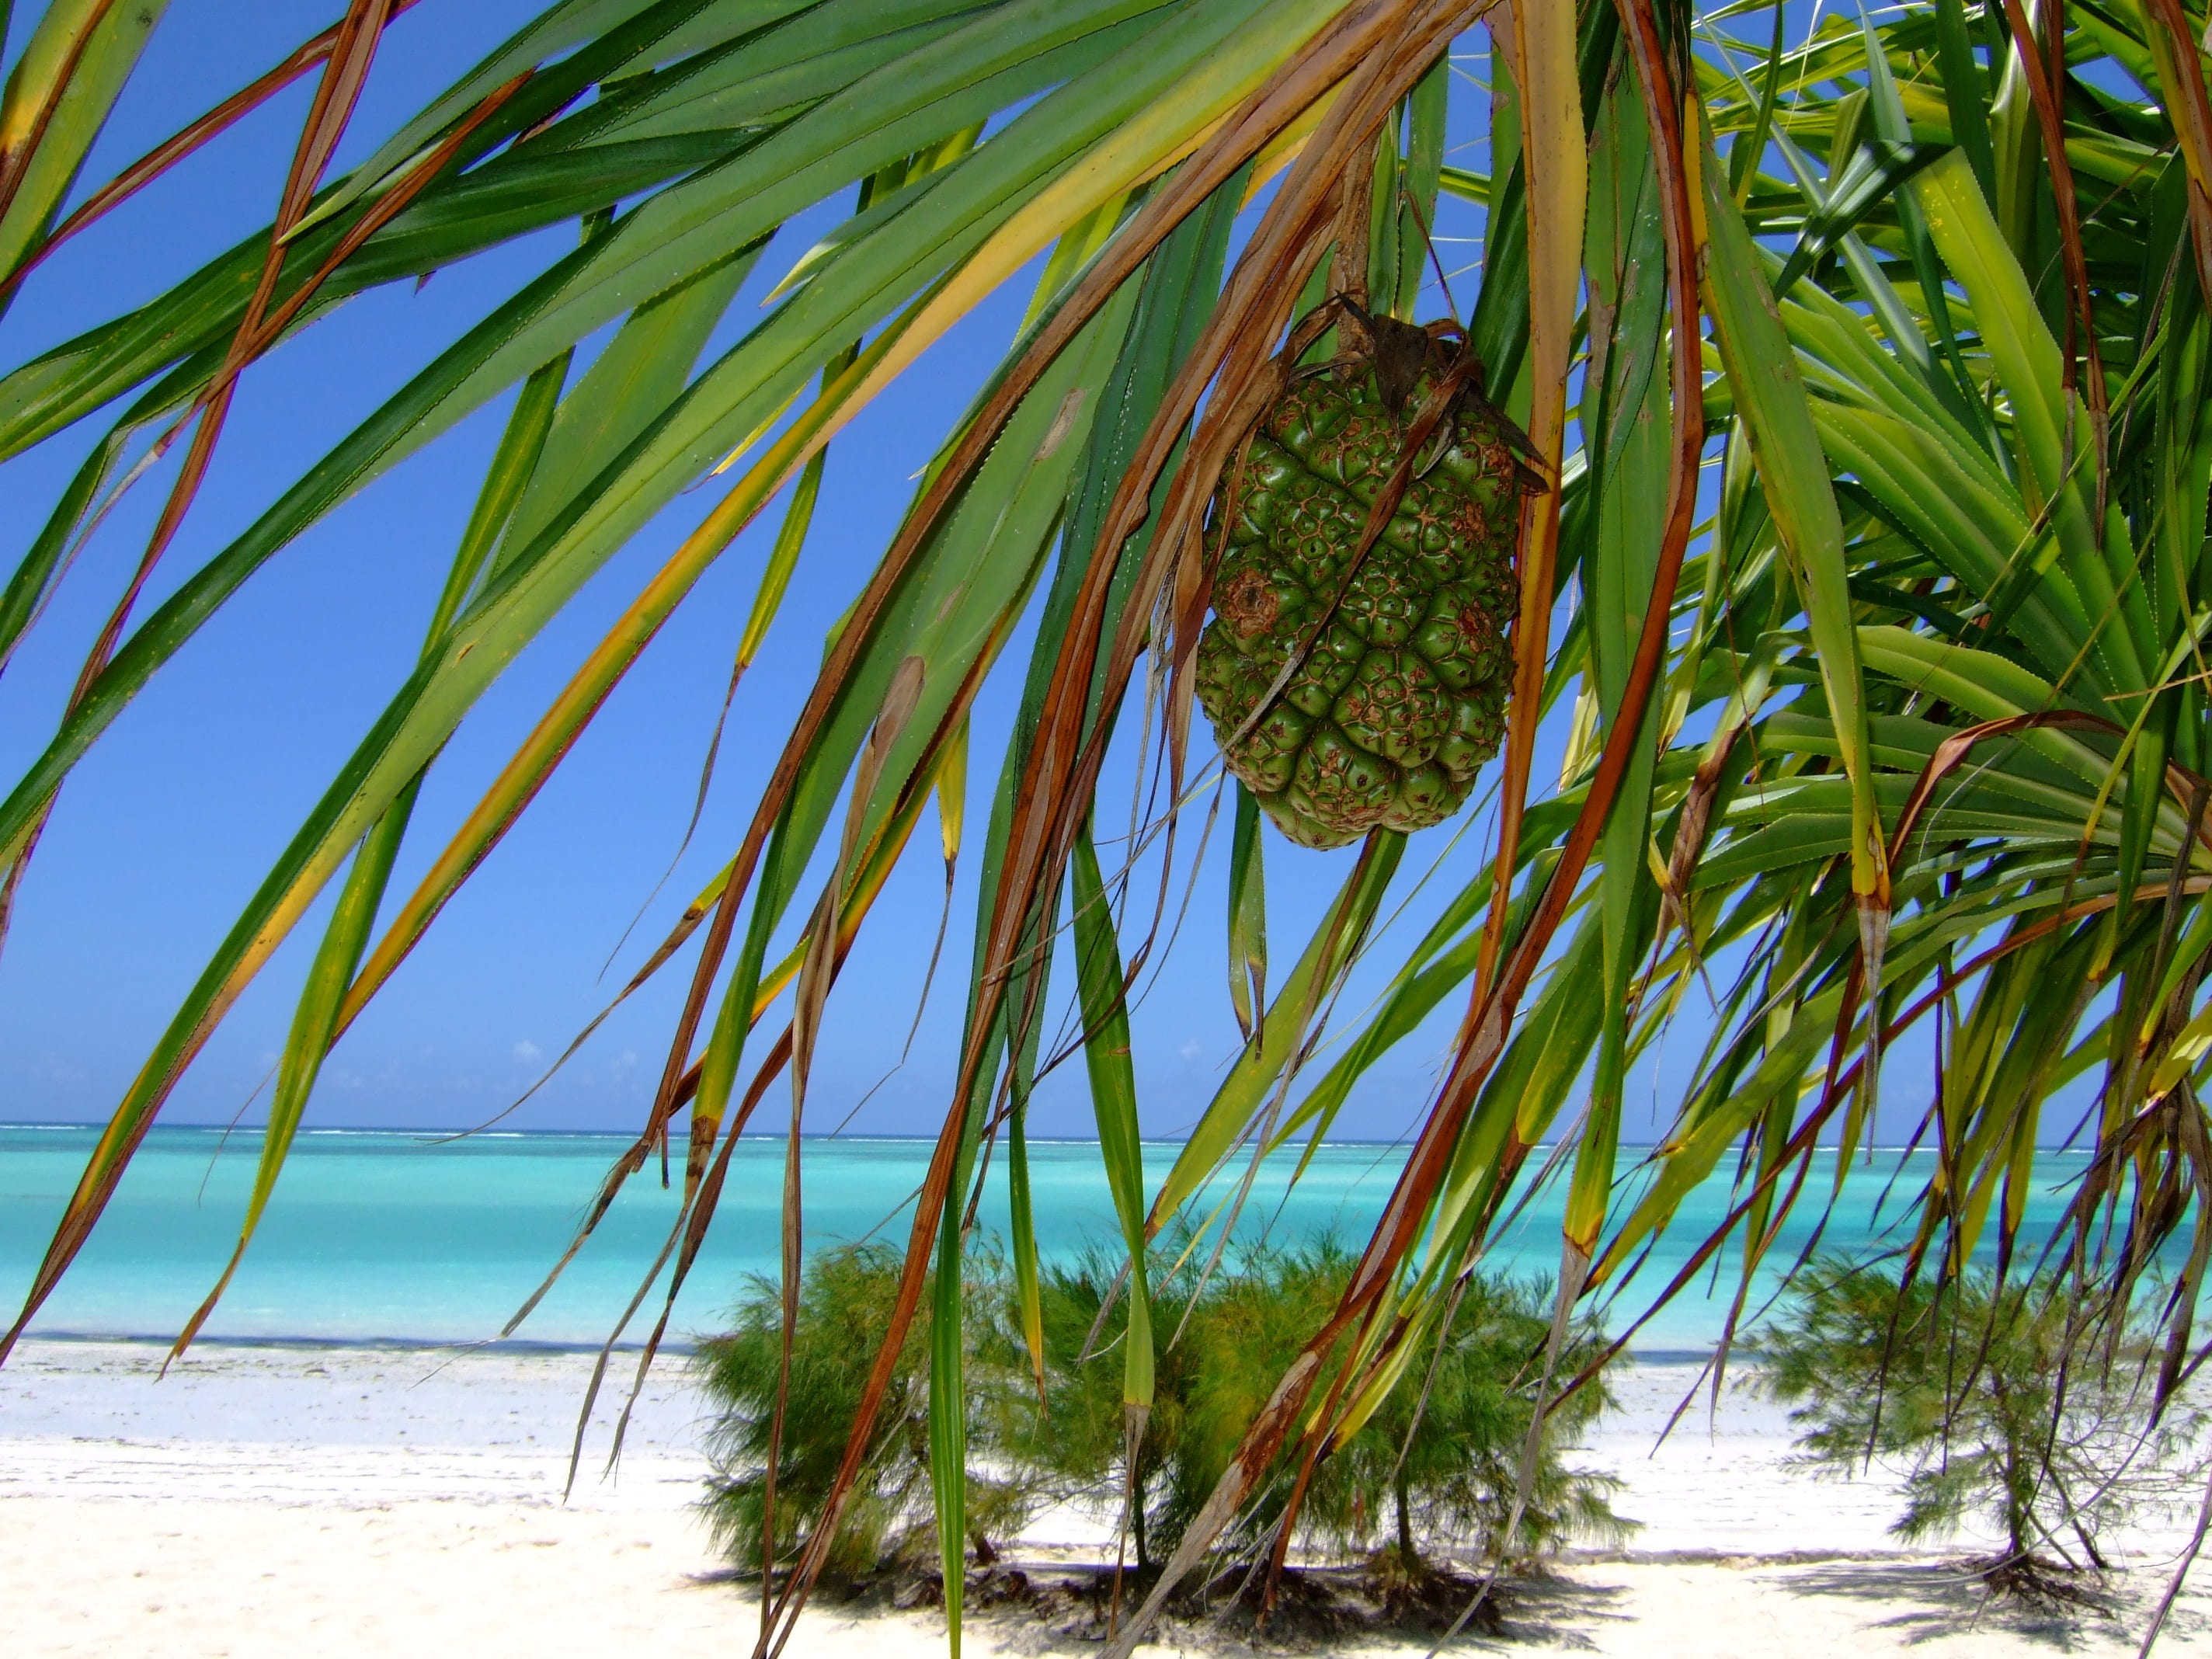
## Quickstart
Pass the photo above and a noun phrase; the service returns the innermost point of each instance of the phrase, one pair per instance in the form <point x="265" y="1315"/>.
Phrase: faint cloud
<point x="1191" y="1049"/>
<point x="528" y="1052"/>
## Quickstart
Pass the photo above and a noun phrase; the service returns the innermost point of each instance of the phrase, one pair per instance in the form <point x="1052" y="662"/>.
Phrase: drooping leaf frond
<point x="1861" y="584"/>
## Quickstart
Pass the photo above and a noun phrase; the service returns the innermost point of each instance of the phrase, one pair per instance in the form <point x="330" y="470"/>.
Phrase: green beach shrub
<point x="845" y="1297"/>
<point x="1446" y="1481"/>
<point x="1452" y="1489"/>
<point x="1069" y="1443"/>
<point x="1248" y="1327"/>
<point x="2009" y="1405"/>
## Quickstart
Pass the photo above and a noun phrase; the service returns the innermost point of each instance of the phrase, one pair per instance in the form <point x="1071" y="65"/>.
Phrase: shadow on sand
<point x="1559" y="1613"/>
<point x="1868" y="1604"/>
<point x="1917" y="1601"/>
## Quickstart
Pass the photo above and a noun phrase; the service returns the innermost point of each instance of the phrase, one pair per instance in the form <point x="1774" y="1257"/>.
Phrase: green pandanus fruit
<point x="1400" y="665"/>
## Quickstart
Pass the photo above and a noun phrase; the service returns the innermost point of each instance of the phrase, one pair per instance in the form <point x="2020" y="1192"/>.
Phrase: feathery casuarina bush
<point x="845" y="1303"/>
<point x="2011" y="1405"/>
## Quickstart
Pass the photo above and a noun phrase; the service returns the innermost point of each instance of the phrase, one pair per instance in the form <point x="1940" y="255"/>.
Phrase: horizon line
<point x="431" y="1135"/>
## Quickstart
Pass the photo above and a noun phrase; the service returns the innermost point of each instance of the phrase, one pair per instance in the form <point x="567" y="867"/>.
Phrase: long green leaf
<point x="1104" y="999"/>
<point x="1793" y="473"/>
<point x="1289" y="1026"/>
<point x="65" y="80"/>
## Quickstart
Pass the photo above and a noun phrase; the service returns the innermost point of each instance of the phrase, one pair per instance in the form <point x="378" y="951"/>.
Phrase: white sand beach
<point x="372" y="1501"/>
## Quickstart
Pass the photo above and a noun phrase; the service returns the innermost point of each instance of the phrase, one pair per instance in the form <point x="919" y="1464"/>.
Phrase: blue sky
<point x="163" y="833"/>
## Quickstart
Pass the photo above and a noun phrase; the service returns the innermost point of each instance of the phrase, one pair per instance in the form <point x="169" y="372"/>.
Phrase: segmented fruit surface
<point x="1398" y="695"/>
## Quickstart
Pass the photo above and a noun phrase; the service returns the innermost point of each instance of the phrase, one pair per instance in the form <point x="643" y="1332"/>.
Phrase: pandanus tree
<point x="1849" y="382"/>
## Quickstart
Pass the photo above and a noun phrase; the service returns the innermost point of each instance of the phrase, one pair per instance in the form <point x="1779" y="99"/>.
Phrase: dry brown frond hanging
<point x="1348" y="689"/>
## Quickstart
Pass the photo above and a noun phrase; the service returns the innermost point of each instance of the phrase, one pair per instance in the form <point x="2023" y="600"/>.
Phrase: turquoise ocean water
<point x="376" y="1236"/>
